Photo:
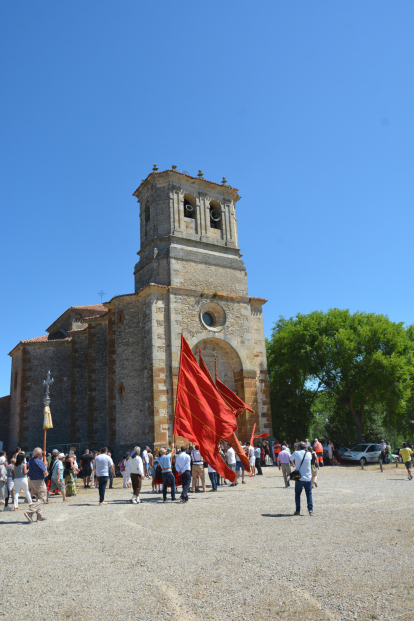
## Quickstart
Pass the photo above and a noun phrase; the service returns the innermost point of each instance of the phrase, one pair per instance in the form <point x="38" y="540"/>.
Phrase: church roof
<point x="100" y="309"/>
<point x="45" y="338"/>
<point x="225" y="186"/>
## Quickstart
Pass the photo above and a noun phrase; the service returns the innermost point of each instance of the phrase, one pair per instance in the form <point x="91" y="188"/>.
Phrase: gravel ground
<point x="235" y="554"/>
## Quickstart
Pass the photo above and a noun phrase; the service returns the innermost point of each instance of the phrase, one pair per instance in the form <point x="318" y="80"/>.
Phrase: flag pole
<point x="44" y="446"/>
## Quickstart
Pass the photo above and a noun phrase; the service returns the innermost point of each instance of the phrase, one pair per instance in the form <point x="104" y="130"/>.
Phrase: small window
<point x="208" y="319"/>
<point x="120" y="318"/>
<point x="147" y="212"/>
<point x="121" y="389"/>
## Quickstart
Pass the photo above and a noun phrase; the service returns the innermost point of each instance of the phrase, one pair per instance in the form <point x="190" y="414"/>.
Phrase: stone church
<point x="115" y="365"/>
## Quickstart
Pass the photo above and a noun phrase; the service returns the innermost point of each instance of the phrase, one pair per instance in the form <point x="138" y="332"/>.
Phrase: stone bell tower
<point x="189" y="234"/>
<point x="190" y="259"/>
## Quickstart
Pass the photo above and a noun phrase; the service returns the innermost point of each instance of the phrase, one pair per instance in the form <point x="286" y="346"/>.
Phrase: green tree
<point x="363" y="360"/>
<point x="291" y="397"/>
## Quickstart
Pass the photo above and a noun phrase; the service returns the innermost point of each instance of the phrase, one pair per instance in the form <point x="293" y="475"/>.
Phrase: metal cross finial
<point x="101" y="293"/>
<point x="47" y="382"/>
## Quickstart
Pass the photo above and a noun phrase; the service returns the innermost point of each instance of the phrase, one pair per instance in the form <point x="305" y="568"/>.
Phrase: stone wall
<point x="112" y="377"/>
<point x="79" y="387"/>
<point x="97" y="367"/>
<point x="15" y="397"/>
<point x="4" y="421"/>
<point x="259" y="344"/>
<point x="154" y="267"/>
<point x="161" y="428"/>
<point x="132" y="350"/>
<point x="37" y="360"/>
<point x="205" y="277"/>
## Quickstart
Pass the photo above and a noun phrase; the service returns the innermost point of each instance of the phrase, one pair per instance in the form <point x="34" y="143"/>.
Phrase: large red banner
<point x="201" y="414"/>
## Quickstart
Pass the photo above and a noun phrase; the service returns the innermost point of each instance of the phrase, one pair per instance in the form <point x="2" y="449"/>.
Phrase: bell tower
<point x="188" y="234"/>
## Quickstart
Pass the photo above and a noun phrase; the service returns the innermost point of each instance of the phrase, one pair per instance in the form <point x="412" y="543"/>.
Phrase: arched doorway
<point x="229" y="365"/>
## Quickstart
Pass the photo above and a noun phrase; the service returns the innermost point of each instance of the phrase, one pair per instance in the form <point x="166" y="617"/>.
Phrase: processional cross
<point x="48" y="382"/>
<point x="47" y="418"/>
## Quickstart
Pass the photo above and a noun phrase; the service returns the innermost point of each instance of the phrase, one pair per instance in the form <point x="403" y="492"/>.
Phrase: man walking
<point x="283" y="461"/>
<point x="111" y="473"/>
<point x="231" y="461"/>
<point x="37" y="474"/>
<point x="145" y="461"/>
<point x="406" y="454"/>
<point x="183" y="466"/>
<point x="167" y="474"/>
<point x="319" y="451"/>
<point x="198" y="468"/>
<point x="136" y="469"/>
<point x="86" y="467"/>
<point x="257" y="452"/>
<point x="58" y="481"/>
<point x="302" y="460"/>
<point x="103" y="464"/>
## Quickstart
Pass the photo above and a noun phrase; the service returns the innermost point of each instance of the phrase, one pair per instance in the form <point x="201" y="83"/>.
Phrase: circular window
<point x="212" y="316"/>
<point x="208" y="319"/>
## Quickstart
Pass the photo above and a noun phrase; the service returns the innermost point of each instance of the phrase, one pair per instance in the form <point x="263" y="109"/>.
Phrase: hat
<point x="61" y="455"/>
<point x="2" y="460"/>
<point x="168" y="450"/>
<point x="55" y="452"/>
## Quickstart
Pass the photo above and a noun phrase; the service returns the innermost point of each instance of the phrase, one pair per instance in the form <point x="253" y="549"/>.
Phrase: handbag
<point x="295" y="475"/>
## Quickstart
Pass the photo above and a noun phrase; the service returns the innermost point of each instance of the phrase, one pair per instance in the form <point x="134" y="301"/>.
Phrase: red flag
<point x="232" y="399"/>
<point x="201" y="414"/>
<point x="263" y="435"/>
<point x="233" y="439"/>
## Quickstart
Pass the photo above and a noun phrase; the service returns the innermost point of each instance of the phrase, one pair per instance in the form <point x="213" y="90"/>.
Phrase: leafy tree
<point x="291" y="398"/>
<point x="364" y="361"/>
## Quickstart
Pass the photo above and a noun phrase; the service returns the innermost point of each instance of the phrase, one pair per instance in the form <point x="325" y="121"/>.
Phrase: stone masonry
<point x="116" y="365"/>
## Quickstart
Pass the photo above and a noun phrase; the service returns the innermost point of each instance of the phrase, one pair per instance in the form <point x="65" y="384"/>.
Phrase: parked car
<point x="338" y="447"/>
<point x="367" y="452"/>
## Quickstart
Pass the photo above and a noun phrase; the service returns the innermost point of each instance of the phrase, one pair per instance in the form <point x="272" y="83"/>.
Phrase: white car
<point x="367" y="452"/>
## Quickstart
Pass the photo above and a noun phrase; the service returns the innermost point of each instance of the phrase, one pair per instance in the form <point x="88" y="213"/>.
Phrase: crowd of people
<point x="167" y="469"/>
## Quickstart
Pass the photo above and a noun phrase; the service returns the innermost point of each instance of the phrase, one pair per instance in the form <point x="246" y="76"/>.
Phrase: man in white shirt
<point x="197" y="469"/>
<point x="231" y="461"/>
<point x="136" y="469"/>
<point x="101" y="467"/>
<point x="145" y="461"/>
<point x="383" y="445"/>
<point x="183" y="466"/>
<point x="283" y="460"/>
<point x="302" y="460"/>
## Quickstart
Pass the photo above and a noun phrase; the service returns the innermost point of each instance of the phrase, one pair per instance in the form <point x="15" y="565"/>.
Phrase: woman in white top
<point x="20" y="480"/>
<point x="136" y="469"/>
<point x="3" y="481"/>
<point x="252" y="460"/>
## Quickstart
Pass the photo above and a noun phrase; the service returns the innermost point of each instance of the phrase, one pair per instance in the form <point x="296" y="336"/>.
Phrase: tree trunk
<point x="360" y="430"/>
<point x="359" y="422"/>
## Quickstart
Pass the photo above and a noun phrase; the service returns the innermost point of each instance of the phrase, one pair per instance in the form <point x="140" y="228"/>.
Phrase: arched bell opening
<point x="189" y="206"/>
<point x="216" y="219"/>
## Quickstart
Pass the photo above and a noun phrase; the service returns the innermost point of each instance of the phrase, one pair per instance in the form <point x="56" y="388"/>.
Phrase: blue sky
<point x="306" y="107"/>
